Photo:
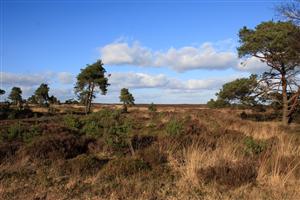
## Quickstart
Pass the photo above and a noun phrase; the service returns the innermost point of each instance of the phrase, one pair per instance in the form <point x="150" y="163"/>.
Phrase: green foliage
<point x="239" y="91"/>
<point x="53" y="100"/>
<point x="92" y="128"/>
<point x="41" y="95"/>
<point x="152" y="107"/>
<point x="19" y="132"/>
<point x="174" y="127"/>
<point x="277" y="44"/>
<point x="90" y="78"/>
<point x="72" y="121"/>
<point x="271" y="38"/>
<point x="127" y="98"/>
<point x="2" y="92"/>
<point x="110" y="125"/>
<point x="16" y="96"/>
<point x="71" y="101"/>
<point x="118" y="136"/>
<point x="32" y="99"/>
<point x="254" y="147"/>
<point x="219" y="103"/>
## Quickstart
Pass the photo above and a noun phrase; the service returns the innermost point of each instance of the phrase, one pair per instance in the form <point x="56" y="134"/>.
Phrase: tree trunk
<point x="86" y="103"/>
<point x="90" y="98"/>
<point x="285" y="117"/>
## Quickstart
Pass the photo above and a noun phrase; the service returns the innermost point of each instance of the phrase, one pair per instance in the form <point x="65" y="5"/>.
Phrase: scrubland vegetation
<point x="167" y="153"/>
<point x="245" y="144"/>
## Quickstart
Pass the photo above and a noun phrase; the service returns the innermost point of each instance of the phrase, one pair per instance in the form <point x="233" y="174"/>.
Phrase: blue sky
<point x="163" y="51"/>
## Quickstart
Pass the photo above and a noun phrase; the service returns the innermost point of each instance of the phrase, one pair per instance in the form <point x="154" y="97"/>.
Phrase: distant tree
<point x="53" y="100"/>
<point x="127" y="98"/>
<point x="71" y="101"/>
<point x="277" y="45"/>
<point x="2" y="92"/>
<point x="290" y="11"/>
<point x="32" y="100"/>
<point x="219" y="103"/>
<point x="152" y="108"/>
<point x="239" y="91"/>
<point x="42" y="94"/>
<point x="90" y="78"/>
<point x="16" y="96"/>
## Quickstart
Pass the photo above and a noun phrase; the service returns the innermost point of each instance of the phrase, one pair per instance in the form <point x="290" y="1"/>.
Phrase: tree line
<point x="89" y="81"/>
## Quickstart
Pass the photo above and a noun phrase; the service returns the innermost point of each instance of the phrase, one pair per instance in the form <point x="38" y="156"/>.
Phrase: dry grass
<point x="207" y="161"/>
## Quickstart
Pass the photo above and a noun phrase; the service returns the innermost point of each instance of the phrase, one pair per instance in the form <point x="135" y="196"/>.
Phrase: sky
<point x="168" y="51"/>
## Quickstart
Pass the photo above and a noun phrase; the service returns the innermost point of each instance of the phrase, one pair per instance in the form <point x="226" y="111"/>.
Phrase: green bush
<point x="19" y="132"/>
<point x="219" y="103"/>
<point x="152" y="107"/>
<point x="254" y="147"/>
<point x="174" y="127"/>
<point x="71" y="121"/>
<point x="118" y="137"/>
<point x="92" y="129"/>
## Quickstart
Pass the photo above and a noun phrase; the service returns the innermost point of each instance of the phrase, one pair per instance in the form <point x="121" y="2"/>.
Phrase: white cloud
<point x="188" y="58"/>
<point x="141" y="80"/>
<point x="65" y="77"/>
<point x="253" y="65"/>
<point x="121" y="53"/>
<point x="206" y="56"/>
<point x="22" y="79"/>
<point x="11" y="79"/>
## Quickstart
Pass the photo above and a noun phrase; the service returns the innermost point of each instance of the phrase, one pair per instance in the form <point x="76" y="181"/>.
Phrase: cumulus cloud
<point x="188" y="58"/>
<point x="141" y="80"/>
<point x="12" y="79"/>
<point x="253" y="65"/>
<point x="125" y="54"/>
<point x="205" y="56"/>
<point x="22" y="79"/>
<point x="65" y="77"/>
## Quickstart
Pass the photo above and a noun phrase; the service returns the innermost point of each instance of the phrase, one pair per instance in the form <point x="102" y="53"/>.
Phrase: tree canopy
<point x="90" y="78"/>
<point x="16" y="96"/>
<point x="42" y="94"/>
<point x="126" y="97"/>
<point x="2" y="92"/>
<point x="277" y="45"/>
<point x="239" y="91"/>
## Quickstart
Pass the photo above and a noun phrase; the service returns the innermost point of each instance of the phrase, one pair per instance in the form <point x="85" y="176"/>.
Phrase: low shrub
<point x="152" y="108"/>
<point x="72" y="122"/>
<point x="92" y="129"/>
<point x="8" y="150"/>
<point x="142" y="141"/>
<point x="174" y="127"/>
<point x="123" y="167"/>
<point x="229" y="174"/>
<point x="254" y="147"/>
<point x="19" y="132"/>
<point x="153" y="156"/>
<point x="85" y="164"/>
<point x="57" y="146"/>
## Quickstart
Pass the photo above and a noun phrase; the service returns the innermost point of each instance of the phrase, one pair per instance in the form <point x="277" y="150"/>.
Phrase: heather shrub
<point x="174" y="127"/>
<point x="254" y="147"/>
<point x="72" y="122"/>
<point x="152" y="108"/>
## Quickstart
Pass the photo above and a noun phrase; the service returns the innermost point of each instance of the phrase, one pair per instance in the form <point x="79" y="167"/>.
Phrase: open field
<point x="177" y="152"/>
